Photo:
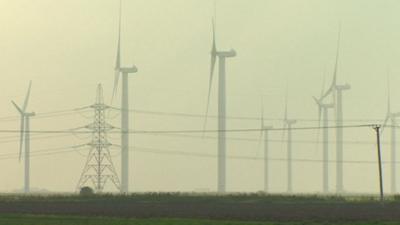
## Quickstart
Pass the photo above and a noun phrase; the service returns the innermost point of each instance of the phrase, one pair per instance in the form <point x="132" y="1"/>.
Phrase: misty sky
<point x="67" y="47"/>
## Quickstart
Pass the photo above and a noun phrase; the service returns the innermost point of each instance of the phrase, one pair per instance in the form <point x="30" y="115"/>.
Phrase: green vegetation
<point x="68" y="220"/>
<point x="259" y="197"/>
<point x="160" y="208"/>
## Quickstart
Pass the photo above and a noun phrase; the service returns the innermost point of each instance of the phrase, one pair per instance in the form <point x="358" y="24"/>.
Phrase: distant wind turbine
<point x="288" y="123"/>
<point x="337" y="92"/>
<point x="25" y="137"/>
<point x="265" y="130"/>
<point x="393" y="120"/>
<point x="323" y="114"/>
<point x="125" y="71"/>
<point x="221" y="55"/>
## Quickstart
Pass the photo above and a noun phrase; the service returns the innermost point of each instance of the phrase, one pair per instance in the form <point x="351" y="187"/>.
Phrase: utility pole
<point x="378" y="143"/>
<point x="99" y="168"/>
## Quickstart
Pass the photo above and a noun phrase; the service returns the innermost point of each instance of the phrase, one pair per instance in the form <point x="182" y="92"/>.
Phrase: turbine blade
<point x="319" y="115"/>
<point x="286" y="106"/>
<point x="317" y="101"/>
<point x="337" y="56"/>
<point x="335" y="70"/>
<point x="389" y="110"/>
<point x="208" y="97"/>
<point x="17" y="107"/>
<point x="213" y="52"/>
<point x="328" y="92"/>
<point x="117" y="67"/>
<point x="262" y="112"/>
<point x="319" y="109"/>
<point x="323" y="83"/>
<point x="319" y="104"/>
<point x="212" y="66"/>
<point x="115" y="89"/>
<point x="21" y="137"/>
<point x="118" y="57"/>
<point x="384" y="124"/>
<point x="334" y="104"/>
<point x="283" y="133"/>
<point x="27" y="97"/>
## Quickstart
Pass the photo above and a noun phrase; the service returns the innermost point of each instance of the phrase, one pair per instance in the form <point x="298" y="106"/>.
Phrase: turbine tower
<point x="393" y="120"/>
<point x="288" y="123"/>
<point x="337" y="92"/>
<point x="125" y="71"/>
<point x="323" y="114"/>
<point x="265" y="130"/>
<point x="25" y="137"/>
<point x="222" y="56"/>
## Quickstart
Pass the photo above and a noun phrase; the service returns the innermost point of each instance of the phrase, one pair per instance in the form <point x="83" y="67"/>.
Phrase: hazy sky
<point x="67" y="47"/>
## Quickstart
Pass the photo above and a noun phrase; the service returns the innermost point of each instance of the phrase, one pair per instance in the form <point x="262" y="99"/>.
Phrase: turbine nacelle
<point x="30" y="114"/>
<point x="343" y="87"/>
<point x="321" y="104"/>
<point x="267" y="128"/>
<point x="226" y="54"/>
<point x="128" y="70"/>
<point x="290" y="122"/>
<point x="394" y="115"/>
<point x="328" y="106"/>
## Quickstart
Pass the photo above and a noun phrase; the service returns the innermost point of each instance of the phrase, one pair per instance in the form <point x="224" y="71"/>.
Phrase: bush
<point x="86" y="191"/>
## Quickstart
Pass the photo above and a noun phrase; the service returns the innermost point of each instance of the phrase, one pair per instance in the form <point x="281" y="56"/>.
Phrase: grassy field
<point x="199" y="197"/>
<point x="192" y="208"/>
<point x="64" y="220"/>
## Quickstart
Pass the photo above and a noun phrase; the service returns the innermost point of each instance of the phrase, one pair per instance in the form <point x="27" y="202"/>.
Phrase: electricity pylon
<point x="99" y="168"/>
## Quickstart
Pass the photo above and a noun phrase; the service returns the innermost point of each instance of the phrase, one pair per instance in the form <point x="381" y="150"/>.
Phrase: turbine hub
<point x="227" y="54"/>
<point x="343" y="87"/>
<point x="30" y="114"/>
<point x="128" y="70"/>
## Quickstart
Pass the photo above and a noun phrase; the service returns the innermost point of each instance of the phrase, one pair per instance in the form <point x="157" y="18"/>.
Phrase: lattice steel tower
<point x="99" y="168"/>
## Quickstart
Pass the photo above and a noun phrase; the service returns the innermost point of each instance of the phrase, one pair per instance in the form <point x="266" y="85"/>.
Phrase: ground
<point x="162" y="209"/>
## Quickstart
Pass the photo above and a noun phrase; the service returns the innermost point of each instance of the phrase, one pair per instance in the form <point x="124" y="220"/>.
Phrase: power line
<point x="43" y="115"/>
<point x="15" y="138"/>
<point x="269" y="140"/>
<point x="242" y="130"/>
<point x="245" y="130"/>
<point x="37" y="137"/>
<point x="202" y="116"/>
<point x="62" y="150"/>
<point x="174" y="114"/>
<point x="198" y="154"/>
<point x="46" y="151"/>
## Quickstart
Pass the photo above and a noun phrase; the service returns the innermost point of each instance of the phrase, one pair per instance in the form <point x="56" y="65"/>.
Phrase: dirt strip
<point x="204" y="210"/>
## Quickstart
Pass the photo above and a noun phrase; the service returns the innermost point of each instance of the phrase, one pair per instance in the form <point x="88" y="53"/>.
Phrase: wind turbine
<point x="125" y="71"/>
<point x="25" y="137"/>
<point x="337" y="92"/>
<point x="265" y="130"/>
<point x="323" y="114"/>
<point x="392" y="117"/>
<point x="288" y="123"/>
<point x="222" y="56"/>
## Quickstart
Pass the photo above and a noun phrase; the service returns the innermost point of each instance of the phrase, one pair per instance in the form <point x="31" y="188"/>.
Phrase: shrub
<point x="86" y="191"/>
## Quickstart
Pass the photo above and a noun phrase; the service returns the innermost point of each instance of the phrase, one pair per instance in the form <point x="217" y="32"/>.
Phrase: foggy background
<point x="67" y="47"/>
